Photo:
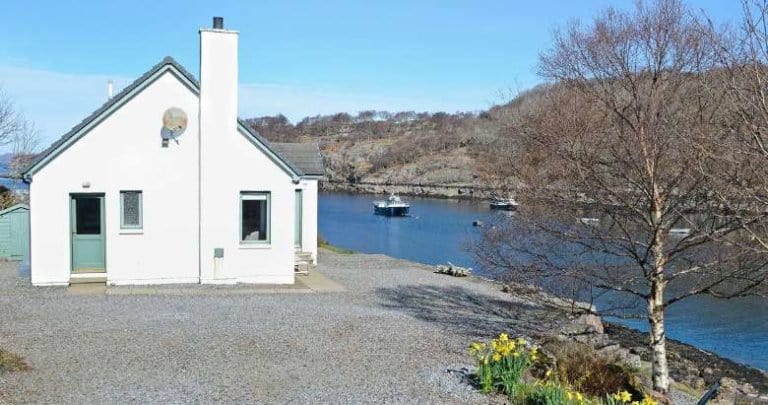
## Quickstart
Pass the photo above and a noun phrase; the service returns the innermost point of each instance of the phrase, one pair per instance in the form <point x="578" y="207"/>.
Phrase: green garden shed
<point x="14" y="232"/>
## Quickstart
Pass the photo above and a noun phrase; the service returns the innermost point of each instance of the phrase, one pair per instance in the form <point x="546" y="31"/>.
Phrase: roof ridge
<point x="117" y="98"/>
<point x="168" y="60"/>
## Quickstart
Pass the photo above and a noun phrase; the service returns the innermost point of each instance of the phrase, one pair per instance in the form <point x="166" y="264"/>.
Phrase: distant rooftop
<point x="306" y="156"/>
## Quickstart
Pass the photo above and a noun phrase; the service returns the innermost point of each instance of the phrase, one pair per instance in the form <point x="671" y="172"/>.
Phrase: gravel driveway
<point x="392" y="336"/>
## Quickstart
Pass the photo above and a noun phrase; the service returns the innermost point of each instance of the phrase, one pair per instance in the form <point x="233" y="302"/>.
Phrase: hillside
<point x="440" y="154"/>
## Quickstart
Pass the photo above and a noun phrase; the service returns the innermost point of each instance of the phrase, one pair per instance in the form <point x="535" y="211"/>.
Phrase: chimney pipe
<point x="218" y="23"/>
<point x="110" y="89"/>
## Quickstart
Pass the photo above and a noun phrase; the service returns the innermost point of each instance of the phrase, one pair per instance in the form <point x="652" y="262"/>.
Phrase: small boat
<point x="505" y="204"/>
<point x="589" y="221"/>
<point x="680" y="231"/>
<point x="393" y="206"/>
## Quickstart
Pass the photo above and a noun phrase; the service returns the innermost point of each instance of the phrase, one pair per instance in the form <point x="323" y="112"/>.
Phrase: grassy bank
<point x="322" y="243"/>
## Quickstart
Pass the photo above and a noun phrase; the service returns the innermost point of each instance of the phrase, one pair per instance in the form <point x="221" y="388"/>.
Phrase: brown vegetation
<point x="400" y="148"/>
<point x="585" y="370"/>
<point x="10" y="362"/>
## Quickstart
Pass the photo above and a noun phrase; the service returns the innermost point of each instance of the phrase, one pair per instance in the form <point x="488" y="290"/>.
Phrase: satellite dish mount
<point x="174" y="123"/>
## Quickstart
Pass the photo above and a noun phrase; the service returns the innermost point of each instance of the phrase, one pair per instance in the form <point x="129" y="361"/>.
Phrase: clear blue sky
<point x="296" y="57"/>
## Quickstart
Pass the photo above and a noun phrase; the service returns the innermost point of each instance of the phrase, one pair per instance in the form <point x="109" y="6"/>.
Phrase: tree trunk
<point x="659" y="368"/>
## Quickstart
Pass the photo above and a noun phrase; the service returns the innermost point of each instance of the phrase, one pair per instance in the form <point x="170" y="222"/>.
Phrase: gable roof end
<point x="14" y="208"/>
<point x="168" y="64"/>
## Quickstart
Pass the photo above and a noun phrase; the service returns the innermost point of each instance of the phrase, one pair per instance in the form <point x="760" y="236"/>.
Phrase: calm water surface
<point x="438" y="231"/>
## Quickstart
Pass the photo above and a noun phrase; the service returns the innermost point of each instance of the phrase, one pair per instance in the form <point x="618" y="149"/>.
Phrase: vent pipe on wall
<point x="218" y="23"/>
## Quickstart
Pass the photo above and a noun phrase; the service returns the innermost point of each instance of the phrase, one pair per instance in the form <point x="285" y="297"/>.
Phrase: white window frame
<point x="123" y="225"/>
<point x="259" y="196"/>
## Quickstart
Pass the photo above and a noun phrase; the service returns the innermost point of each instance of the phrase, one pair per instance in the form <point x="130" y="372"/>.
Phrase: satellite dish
<point x="174" y="123"/>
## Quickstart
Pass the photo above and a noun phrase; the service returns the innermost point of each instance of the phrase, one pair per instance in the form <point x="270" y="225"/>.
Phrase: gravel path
<point x="391" y="337"/>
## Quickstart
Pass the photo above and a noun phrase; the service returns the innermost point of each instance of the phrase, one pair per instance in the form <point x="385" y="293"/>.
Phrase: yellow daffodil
<point x="579" y="396"/>
<point x="625" y="396"/>
<point x="521" y="341"/>
<point x="503" y="337"/>
<point x="649" y="401"/>
<point x="569" y="395"/>
<point x="496" y="357"/>
<point x="548" y="373"/>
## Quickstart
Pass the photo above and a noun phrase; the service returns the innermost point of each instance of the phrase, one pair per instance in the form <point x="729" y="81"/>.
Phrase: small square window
<point x="254" y="217"/>
<point x="130" y="210"/>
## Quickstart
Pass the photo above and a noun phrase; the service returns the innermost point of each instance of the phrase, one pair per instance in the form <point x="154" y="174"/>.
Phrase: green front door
<point x="87" y="216"/>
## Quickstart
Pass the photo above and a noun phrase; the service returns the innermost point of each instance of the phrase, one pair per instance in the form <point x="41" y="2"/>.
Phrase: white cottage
<point x="164" y="184"/>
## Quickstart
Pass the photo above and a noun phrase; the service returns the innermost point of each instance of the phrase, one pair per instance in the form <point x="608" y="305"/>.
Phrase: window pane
<point x="255" y="219"/>
<point x="87" y="215"/>
<point x="131" y="208"/>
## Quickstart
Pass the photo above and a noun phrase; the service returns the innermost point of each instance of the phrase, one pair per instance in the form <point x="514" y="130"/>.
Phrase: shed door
<point x="87" y="215"/>
<point x="19" y="224"/>
<point x="14" y="233"/>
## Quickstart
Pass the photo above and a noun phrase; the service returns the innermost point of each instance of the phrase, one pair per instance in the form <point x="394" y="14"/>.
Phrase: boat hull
<point x="503" y="207"/>
<point x="391" y="211"/>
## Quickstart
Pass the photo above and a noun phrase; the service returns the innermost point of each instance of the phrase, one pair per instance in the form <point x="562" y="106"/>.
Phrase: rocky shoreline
<point x="689" y="364"/>
<point x="448" y="191"/>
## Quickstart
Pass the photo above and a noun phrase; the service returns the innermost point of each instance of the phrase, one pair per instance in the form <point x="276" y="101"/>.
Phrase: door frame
<point x="298" y="214"/>
<point x="72" y="212"/>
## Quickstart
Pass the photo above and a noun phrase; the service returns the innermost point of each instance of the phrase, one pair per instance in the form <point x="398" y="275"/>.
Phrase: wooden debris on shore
<point x="453" y="270"/>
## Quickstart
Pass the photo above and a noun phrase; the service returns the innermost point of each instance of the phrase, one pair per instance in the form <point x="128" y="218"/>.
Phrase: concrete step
<point x="88" y="278"/>
<point x="303" y="256"/>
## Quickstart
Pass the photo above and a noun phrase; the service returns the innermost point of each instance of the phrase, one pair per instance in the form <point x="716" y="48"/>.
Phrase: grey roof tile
<point x="304" y="155"/>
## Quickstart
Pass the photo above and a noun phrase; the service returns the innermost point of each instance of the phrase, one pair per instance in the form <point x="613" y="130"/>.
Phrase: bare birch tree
<point x="17" y="134"/>
<point x="743" y="56"/>
<point x="615" y="202"/>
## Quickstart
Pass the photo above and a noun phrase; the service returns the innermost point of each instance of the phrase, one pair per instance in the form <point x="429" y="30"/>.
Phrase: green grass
<point x="11" y="362"/>
<point x="336" y="249"/>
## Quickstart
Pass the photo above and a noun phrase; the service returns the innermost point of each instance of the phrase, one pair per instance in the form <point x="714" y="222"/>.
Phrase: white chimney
<point x="218" y="134"/>
<point x="218" y="80"/>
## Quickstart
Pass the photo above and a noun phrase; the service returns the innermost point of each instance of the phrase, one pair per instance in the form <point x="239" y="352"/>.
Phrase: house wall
<point x="124" y="152"/>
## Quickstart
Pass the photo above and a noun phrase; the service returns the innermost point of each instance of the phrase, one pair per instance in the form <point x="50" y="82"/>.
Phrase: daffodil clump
<point x="501" y="364"/>
<point x="624" y="397"/>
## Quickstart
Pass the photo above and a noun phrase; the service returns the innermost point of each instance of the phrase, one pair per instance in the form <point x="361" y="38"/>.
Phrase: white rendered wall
<point x="124" y="152"/>
<point x="230" y="164"/>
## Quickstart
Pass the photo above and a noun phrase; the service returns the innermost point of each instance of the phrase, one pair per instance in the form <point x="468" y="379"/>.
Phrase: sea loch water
<point x="439" y="231"/>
